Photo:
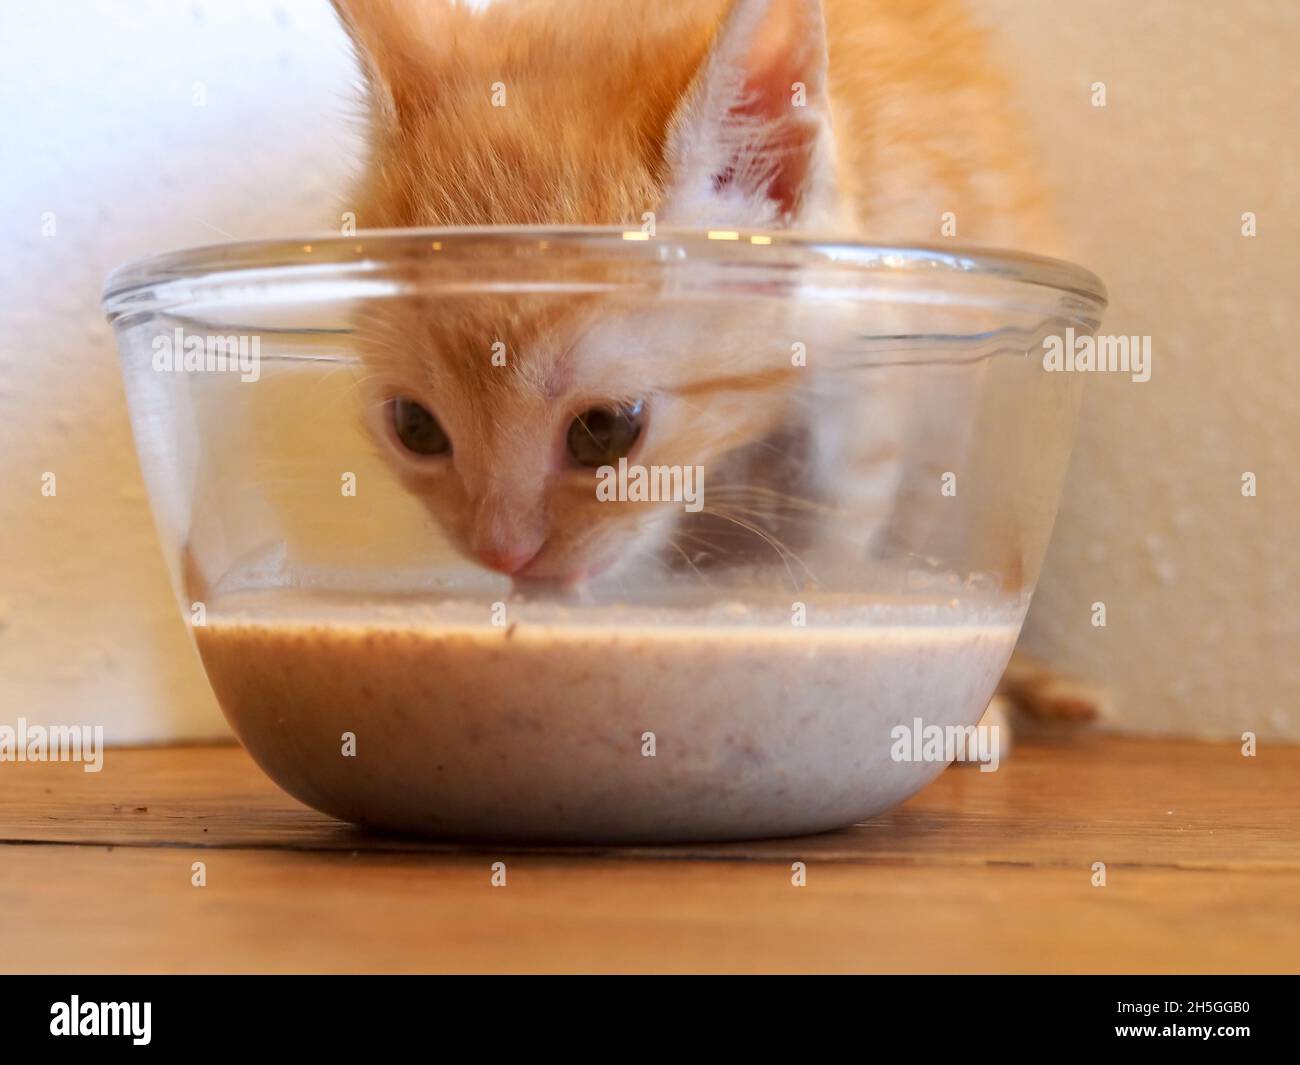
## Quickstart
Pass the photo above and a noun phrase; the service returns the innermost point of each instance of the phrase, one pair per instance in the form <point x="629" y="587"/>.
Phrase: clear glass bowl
<point x="841" y="467"/>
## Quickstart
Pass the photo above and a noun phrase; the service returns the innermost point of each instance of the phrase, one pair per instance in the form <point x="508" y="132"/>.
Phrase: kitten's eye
<point x="418" y="430"/>
<point x="600" y="437"/>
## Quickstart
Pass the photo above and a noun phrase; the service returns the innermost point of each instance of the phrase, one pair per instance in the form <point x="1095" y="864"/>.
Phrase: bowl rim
<point x="370" y="248"/>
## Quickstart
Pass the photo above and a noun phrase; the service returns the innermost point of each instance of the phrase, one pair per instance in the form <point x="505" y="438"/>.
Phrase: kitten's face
<point x="497" y="414"/>
<point x="536" y="113"/>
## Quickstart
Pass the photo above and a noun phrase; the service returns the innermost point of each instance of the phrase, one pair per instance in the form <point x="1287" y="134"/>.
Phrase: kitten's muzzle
<point x="507" y="560"/>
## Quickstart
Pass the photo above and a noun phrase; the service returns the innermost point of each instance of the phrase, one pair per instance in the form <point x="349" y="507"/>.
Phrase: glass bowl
<point x="601" y="535"/>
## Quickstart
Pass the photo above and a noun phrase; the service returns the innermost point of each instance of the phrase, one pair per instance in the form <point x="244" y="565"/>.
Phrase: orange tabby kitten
<point x="844" y="116"/>
<point x="683" y="107"/>
<point x="593" y="112"/>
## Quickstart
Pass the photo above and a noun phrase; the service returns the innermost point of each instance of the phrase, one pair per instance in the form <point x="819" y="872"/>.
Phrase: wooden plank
<point x="981" y="872"/>
<point x="1126" y="802"/>
<point x="90" y="909"/>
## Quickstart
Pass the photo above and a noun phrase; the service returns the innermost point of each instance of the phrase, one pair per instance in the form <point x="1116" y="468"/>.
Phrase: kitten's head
<point x="703" y="113"/>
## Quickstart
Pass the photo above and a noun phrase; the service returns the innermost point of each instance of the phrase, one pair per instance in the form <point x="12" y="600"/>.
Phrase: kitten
<point x="684" y="109"/>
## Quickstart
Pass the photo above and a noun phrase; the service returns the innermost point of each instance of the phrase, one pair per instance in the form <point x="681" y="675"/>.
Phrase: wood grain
<point x="982" y="872"/>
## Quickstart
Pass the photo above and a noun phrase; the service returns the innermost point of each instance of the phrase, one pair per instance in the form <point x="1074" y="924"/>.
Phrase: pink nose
<point x="506" y="559"/>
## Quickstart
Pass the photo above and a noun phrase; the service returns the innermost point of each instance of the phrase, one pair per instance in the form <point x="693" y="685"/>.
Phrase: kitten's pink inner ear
<point x="751" y="127"/>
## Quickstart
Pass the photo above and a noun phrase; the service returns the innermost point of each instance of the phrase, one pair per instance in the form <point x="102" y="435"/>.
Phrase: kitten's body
<point x="592" y="89"/>
<point x="574" y="112"/>
<point x="853" y="117"/>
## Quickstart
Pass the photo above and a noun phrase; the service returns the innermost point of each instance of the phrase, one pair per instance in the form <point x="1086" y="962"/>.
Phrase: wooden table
<point x="982" y="872"/>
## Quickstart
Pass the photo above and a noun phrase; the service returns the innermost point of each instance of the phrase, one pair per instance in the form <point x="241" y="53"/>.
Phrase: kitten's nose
<point x="506" y="559"/>
<point x="508" y="531"/>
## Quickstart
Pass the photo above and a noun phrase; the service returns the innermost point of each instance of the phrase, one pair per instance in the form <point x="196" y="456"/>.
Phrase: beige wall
<point x="1202" y="123"/>
<point x="101" y="133"/>
<point x="1201" y="585"/>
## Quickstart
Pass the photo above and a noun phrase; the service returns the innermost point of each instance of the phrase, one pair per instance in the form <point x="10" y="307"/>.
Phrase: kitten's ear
<point x="750" y="145"/>
<point x="392" y="42"/>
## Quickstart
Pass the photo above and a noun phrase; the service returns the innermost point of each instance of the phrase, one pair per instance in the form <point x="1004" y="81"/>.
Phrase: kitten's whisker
<point x="784" y="552"/>
<point x="687" y="559"/>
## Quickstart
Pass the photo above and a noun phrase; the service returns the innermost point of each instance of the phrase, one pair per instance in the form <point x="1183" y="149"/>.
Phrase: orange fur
<point x="682" y="108"/>
<point x="923" y="118"/>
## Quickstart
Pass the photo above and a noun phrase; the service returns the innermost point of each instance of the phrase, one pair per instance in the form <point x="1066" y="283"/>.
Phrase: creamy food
<point x="582" y="724"/>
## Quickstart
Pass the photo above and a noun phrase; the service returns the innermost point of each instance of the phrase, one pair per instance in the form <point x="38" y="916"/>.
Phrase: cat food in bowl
<point x="585" y="535"/>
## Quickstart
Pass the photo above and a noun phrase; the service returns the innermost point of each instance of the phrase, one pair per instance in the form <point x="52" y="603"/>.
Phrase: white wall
<point x="1201" y="585"/>
<point x="1202" y="123"/>
<point x="100" y="129"/>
